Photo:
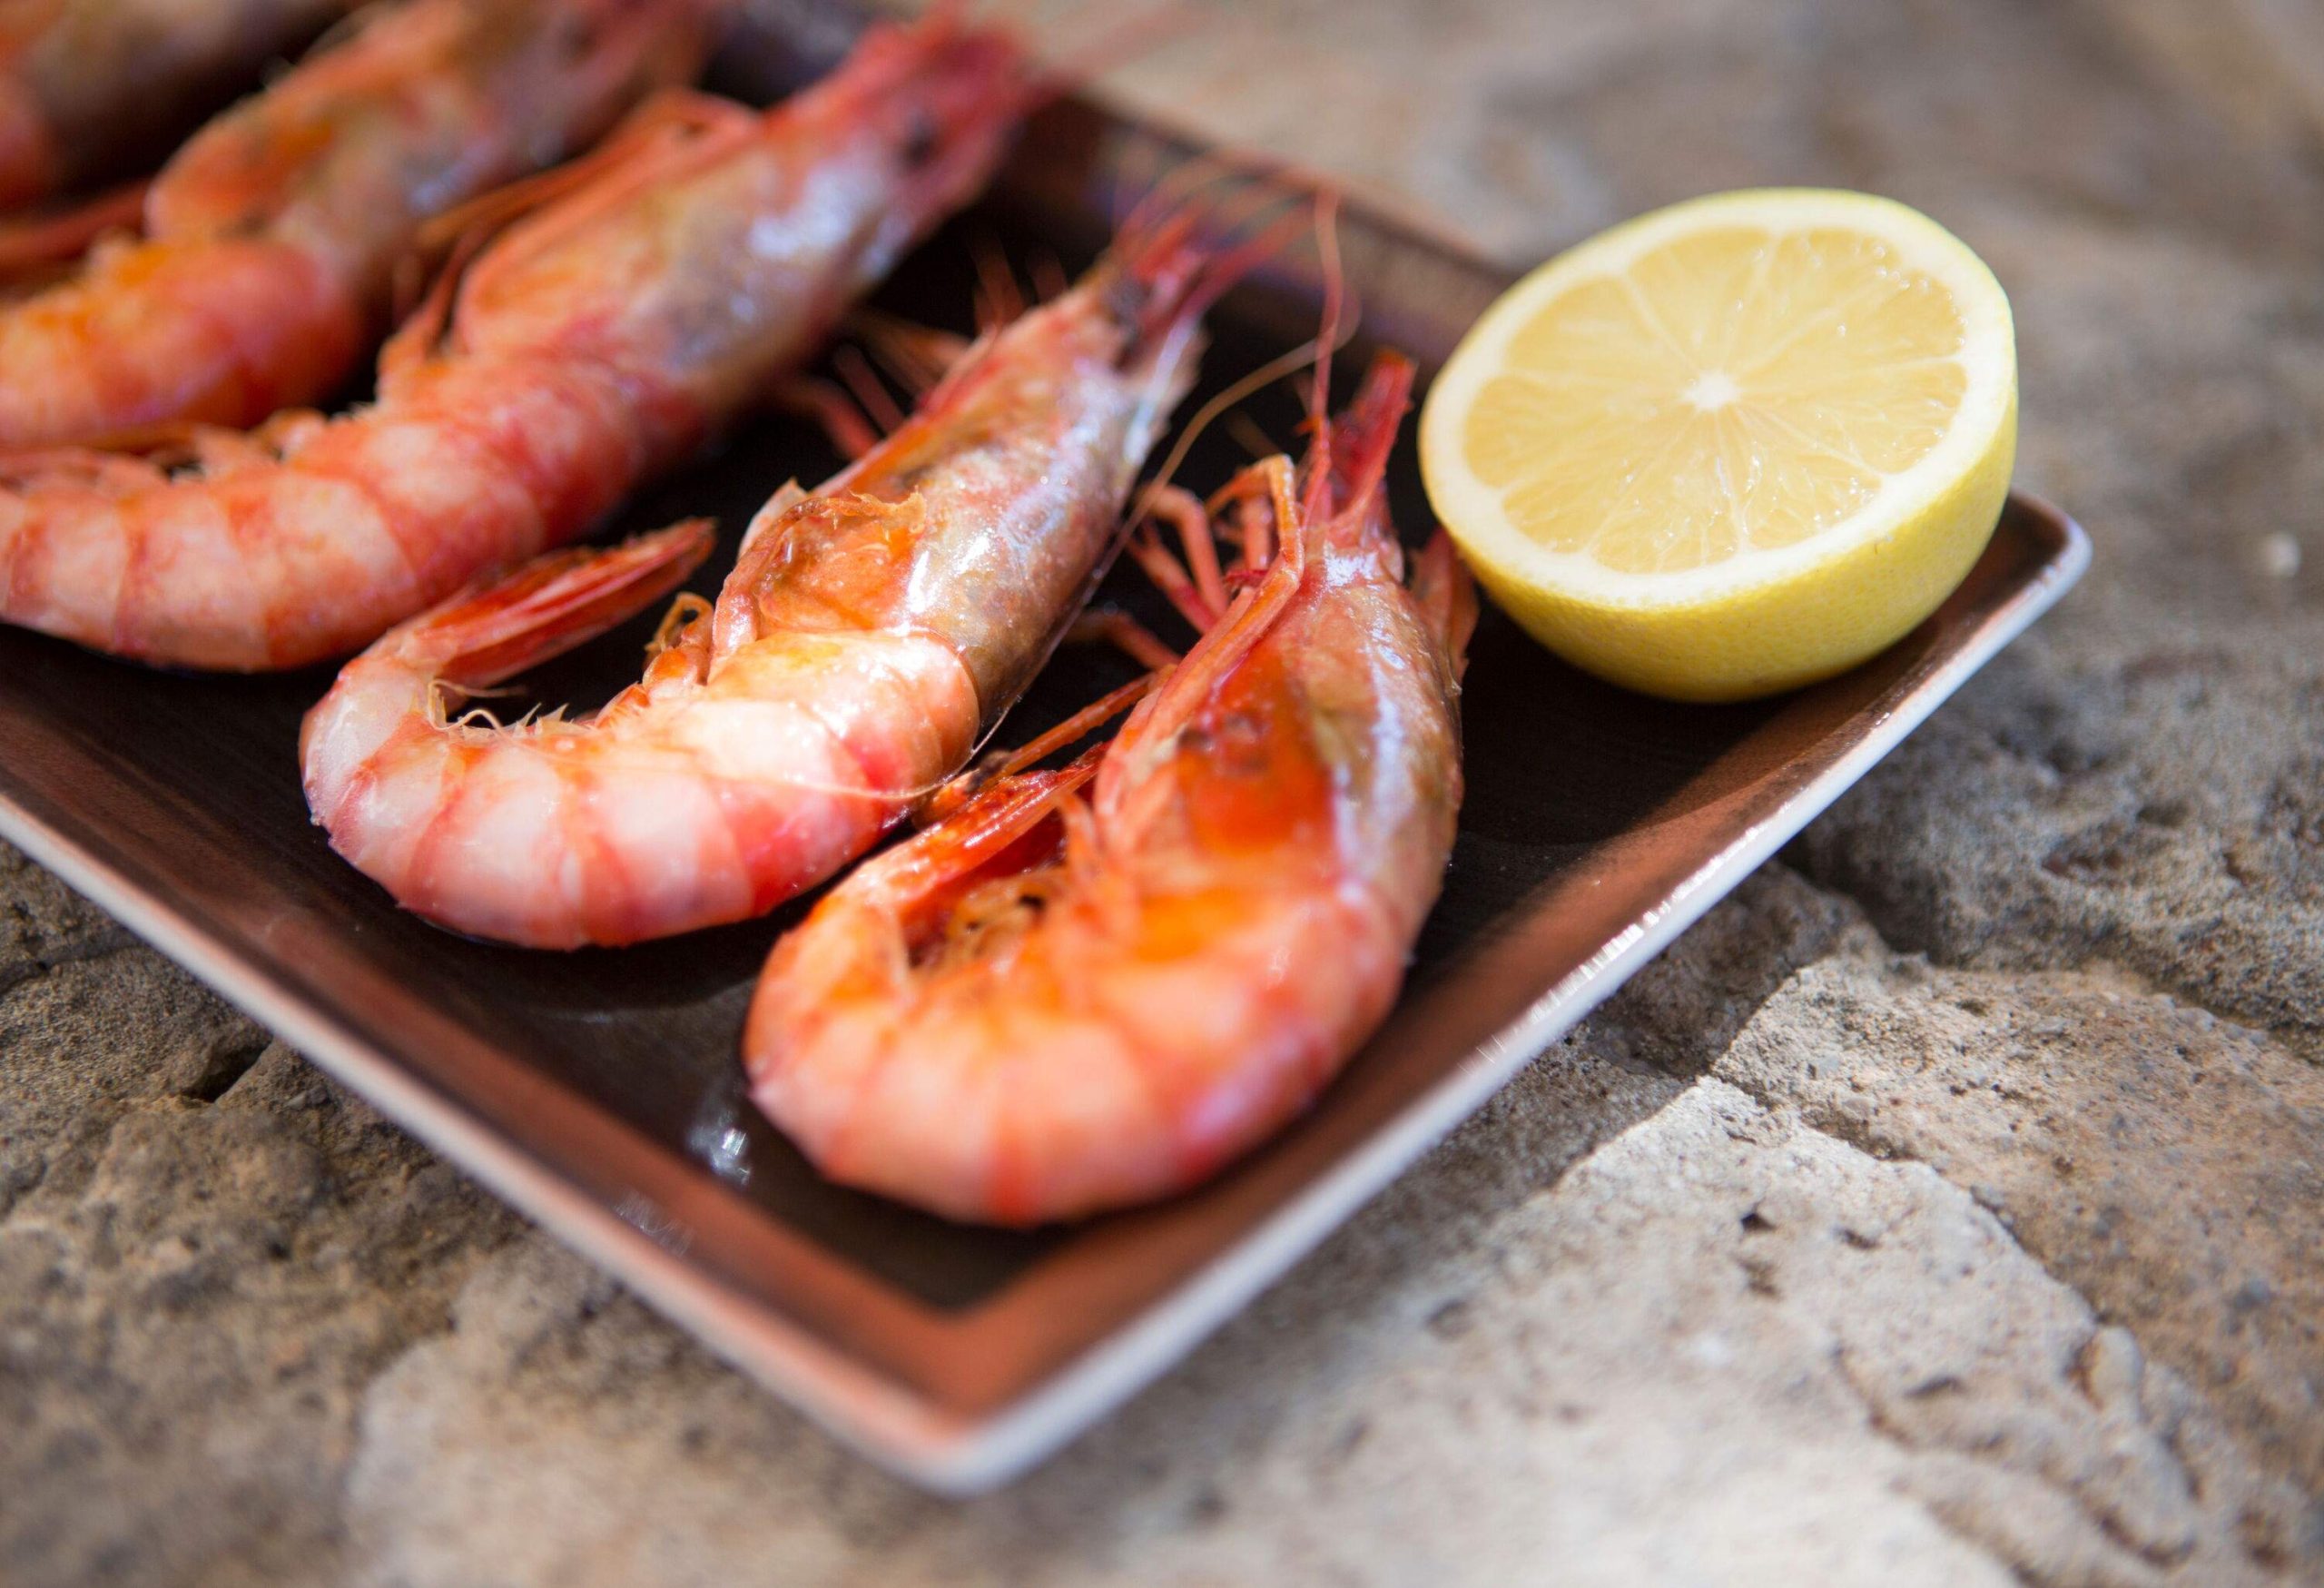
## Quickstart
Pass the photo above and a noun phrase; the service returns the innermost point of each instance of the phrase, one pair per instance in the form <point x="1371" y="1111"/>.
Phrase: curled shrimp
<point x="93" y="90"/>
<point x="652" y="292"/>
<point x="1091" y="987"/>
<point x="867" y="635"/>
<point x="272" y="238"/>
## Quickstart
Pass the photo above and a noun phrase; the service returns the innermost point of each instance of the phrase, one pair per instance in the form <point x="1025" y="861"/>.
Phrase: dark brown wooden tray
<point x="600" y="1091"/>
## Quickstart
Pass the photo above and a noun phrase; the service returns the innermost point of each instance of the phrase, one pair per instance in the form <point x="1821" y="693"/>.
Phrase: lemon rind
<point x="1508" y="556"/>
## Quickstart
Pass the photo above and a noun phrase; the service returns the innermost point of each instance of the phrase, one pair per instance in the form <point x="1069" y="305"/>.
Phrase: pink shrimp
<point x="272" y="238"/>
<point x="672" y="281"/>
<point x="866" y="635"/>
<point x="93" y="90"/>
<point x="1092" y="987"/>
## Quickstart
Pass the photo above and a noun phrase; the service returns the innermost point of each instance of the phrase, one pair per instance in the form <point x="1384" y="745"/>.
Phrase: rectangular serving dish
<point x="600" y="1091"/>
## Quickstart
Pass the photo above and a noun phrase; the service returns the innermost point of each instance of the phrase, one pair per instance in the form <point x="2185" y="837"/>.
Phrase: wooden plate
<point x="600" y="1091"/>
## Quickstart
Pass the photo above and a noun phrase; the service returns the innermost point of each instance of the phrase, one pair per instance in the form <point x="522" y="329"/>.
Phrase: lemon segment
<point x="1733" y="446"/>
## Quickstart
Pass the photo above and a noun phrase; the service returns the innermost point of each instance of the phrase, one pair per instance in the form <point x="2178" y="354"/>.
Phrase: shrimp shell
<point x="271" y="239"/>
<point x="867" y="635"/>
<point x="1093" y="987"/>
<point x="657" y="290"/>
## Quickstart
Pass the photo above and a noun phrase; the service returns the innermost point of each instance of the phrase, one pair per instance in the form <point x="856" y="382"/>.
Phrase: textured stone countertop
<point x="1946" y="1207"/>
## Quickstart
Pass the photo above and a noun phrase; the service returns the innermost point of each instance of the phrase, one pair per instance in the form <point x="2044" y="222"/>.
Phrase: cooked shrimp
<point x="271" y="238"/>
<point x="92" y="90"/>
<point x="1093" y="987"/>
<point x="676" y="277"/>
<point x="865" y="636"/>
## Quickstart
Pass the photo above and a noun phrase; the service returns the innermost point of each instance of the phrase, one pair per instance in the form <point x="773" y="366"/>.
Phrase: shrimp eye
<point x="920" y="137"/>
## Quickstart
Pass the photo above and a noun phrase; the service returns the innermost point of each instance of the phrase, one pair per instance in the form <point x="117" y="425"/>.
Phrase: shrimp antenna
<point x="1211" y="245"/>
<point x="1319" y="403"/>
<point x="1258" y="380"/>
<point x="998" y="300"/>
<point x="1337" y="331"/>
<point x="1174" y="190"/>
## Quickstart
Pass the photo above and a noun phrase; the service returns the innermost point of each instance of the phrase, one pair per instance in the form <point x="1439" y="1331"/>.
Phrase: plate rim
<point x="944" y="1451"/>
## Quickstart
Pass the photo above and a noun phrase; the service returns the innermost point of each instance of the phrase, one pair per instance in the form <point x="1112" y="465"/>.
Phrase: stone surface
<point x="2159" y="806"/>
<point x="1725" y="1347"/>
<point x="1943" y="1207"/>
<point x="2167" y="1165"/>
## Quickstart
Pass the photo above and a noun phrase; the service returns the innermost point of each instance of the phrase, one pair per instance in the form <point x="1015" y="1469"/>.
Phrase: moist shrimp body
<point x="1093" y="987"/>
<point x="270" y="239"/>
<point x="867" y="635"/>
<point x="672" y="281"/>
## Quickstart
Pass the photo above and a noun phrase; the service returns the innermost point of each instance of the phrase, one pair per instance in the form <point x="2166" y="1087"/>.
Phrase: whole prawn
<point x="1092" y="987"/>
<point x="92" y="89"/>
<point x="271" y="240"/>
<point x="867" y="635"/>
<point x="667" y="282"/>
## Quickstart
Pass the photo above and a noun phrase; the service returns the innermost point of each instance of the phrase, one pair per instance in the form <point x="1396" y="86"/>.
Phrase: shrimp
<point x="658" y="288"/>
<point x="867" y="635"/>
<point x="92" y="90"/>
<point x="270" y="241"/>
<point x="1092" y="987"/>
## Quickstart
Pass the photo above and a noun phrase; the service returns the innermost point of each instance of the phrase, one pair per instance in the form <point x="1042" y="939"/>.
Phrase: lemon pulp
<point x="1732" y="446"/>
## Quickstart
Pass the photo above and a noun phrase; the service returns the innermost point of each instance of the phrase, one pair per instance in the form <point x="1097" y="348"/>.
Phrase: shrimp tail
<point x="553" y="604"/>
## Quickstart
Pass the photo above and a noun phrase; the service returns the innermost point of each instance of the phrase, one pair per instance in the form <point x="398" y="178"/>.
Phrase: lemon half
<point x="1733" y="446"/>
